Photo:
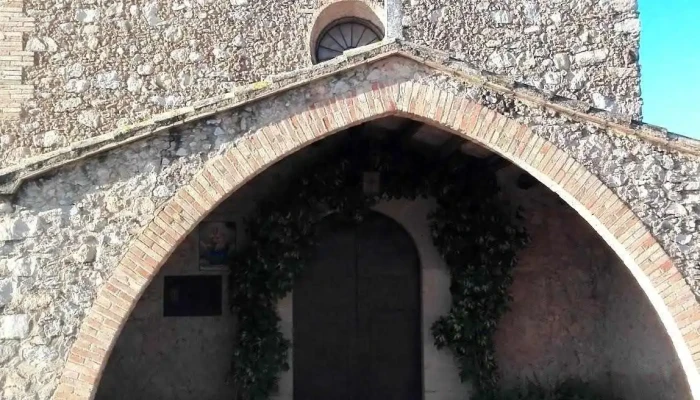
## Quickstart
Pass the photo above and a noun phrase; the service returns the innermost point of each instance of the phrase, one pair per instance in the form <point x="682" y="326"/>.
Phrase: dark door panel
<point x="357" y="315"/>
<point x="393" y="365"/>
<point x="323" y="350"/>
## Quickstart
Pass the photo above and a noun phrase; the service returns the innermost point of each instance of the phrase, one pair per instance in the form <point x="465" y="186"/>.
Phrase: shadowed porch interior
<point x="577" y="311"/>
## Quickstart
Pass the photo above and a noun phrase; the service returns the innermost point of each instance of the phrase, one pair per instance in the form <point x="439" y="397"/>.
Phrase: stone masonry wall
<point x="586" y="50"/>
<point x="578" y="312"/>
<point x="101" y="65"/>
<point x="63" y="234"/>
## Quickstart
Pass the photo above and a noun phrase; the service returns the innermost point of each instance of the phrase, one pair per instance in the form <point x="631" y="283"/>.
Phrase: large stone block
<point x="22" y="266"/>
<point x="14" y="326"/>
<point x="6" y="291"/>
<point x="19" y="228"/>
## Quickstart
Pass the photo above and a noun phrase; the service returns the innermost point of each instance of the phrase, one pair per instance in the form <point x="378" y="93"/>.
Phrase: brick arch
<point x="589" y="196"/>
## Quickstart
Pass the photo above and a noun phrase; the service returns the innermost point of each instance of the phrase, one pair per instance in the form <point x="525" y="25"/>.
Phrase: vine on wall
<point x="474" y="230"/>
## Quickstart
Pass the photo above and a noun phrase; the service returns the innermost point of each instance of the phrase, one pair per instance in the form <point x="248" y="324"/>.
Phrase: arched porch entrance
<point x="599" y="205"/>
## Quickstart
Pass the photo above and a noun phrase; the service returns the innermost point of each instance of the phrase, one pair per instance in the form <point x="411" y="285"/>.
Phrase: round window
<point x="344" y="35"/>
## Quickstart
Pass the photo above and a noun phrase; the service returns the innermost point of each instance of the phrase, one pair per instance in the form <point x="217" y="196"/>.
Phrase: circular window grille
<point x="345" y="35"/>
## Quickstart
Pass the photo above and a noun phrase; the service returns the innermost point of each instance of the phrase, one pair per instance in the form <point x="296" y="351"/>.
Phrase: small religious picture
<point x="371" y="183"/>
<point x="217" y="242"/>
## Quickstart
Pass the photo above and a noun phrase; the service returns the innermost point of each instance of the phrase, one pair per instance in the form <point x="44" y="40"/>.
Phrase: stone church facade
<point x="125" y="125"/>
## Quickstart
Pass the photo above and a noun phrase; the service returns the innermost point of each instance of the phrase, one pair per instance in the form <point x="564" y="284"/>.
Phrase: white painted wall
<point x="286" y="384"/>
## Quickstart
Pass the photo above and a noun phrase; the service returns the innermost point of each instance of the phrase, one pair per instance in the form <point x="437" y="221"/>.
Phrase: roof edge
<point x="12" y="177"/>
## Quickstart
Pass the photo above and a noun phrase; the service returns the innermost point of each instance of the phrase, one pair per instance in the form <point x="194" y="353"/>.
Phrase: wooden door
<point x="357" y="315"/>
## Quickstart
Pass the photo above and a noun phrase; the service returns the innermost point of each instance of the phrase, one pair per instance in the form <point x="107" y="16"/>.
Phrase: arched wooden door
<point x="357" y="314"/>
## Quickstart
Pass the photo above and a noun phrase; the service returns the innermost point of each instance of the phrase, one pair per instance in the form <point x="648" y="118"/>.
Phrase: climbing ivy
<point x="475" y="235"/>
<point x="472" y="227"/>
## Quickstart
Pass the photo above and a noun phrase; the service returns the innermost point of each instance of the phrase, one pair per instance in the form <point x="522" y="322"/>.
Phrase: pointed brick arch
<point x="611" y="217"/>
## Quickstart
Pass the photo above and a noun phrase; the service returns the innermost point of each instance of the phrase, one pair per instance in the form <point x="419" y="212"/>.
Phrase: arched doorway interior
<point x="357" y="314"/>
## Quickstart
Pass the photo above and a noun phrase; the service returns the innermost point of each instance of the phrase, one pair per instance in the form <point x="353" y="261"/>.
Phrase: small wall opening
<point x="342" y="26"/>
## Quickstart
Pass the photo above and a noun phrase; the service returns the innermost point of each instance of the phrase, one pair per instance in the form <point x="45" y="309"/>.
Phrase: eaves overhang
<point x="12" y="177"/>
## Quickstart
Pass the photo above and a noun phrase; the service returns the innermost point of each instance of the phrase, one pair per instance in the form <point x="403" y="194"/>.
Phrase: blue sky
<point x="670" y="61"/>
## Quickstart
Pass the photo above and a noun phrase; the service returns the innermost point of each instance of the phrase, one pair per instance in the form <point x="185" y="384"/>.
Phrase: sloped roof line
<point x="12" y="177"/>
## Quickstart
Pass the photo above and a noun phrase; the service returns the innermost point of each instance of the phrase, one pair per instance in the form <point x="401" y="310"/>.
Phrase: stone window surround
<point x="337" y="10"/>
<point x="367" y="26"/>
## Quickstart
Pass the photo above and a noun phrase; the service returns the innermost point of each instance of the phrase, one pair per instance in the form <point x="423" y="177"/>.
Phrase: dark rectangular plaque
<point x="192" y="296"/>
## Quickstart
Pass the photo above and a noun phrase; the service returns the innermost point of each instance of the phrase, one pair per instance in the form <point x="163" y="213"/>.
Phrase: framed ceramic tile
<point x="217" y="243"/>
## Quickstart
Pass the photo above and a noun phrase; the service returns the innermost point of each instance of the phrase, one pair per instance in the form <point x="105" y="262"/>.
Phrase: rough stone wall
<point x="586" y="50"/>
<point x="61" y="239"/>
<point x="636" y="342"/>
<point x="103" y="65"/>
<point x="577" y="313"/>
<point x="63" y="234"/>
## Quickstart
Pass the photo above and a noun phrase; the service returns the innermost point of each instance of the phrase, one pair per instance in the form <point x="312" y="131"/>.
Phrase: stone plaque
<point x="192" y="296"/>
